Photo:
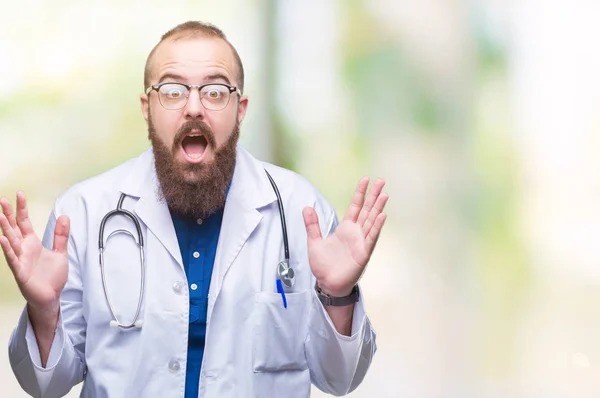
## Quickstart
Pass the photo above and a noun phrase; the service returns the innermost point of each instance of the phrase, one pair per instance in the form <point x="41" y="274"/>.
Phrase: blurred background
<point x="482" y="115"/>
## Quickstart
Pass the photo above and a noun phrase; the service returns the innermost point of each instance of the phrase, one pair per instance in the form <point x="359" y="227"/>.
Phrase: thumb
<point x="311" y="222"/>
<point x="61" y="234"/>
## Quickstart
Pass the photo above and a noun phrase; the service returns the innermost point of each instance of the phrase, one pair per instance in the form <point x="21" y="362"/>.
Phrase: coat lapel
<point x="150" y="209"/>
<point x="250" y="190"/>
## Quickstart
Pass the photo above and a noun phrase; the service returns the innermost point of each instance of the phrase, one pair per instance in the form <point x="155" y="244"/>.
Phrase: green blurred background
<point x="481" y="115"/>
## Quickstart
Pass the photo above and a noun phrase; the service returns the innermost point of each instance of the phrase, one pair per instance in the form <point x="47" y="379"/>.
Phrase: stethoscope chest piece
<point x="286" y="274"/>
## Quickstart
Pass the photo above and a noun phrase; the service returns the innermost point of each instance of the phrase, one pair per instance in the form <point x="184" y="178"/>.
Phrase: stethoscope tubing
<point x="140" y="242"/>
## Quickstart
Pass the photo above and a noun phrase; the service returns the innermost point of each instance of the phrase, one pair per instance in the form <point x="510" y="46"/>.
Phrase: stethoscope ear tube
<point x="286" y="246"/>
<point x="127" y="213"/>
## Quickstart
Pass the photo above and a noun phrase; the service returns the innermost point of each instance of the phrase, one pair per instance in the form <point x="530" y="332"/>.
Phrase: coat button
<point x="178" y="287"/>
<point x="174" y="366"/>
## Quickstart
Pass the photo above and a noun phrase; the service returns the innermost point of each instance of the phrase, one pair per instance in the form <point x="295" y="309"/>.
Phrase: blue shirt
<point x="198" y="245"/>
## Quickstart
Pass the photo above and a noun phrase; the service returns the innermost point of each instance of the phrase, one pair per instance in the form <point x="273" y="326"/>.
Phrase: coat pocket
<point x="288" y="384"/>
<point x="279" y="332"/>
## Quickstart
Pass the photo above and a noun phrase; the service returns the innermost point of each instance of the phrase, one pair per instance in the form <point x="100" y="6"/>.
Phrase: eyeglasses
<point x="174" y="96"/>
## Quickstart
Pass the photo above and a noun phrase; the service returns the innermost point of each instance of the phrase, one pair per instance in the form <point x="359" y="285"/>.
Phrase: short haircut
<point x="192" y="29"/>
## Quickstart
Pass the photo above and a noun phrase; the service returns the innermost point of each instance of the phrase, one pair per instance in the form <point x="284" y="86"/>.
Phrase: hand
<point x="339" y="260"/>
<point x="41" y="274"/>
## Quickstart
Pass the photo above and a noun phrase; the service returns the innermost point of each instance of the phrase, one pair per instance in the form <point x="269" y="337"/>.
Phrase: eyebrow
<point x="171" y="76"/>
<point x="218" y="76"/>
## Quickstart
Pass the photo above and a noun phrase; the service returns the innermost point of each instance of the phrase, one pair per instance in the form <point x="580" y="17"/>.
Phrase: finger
<point x="370" y="201"/>
<point x="61" y="234"/>
<point x="373" y="235"/>
<point x="10" y="215"/>
<point x="9" y="233"/>
<point x="375" y="211"/>
<point x="9" y="254"/>
<point x="357" y="200"/>
<point x="311" y="222"/>
<point x="8" y="211"/>
<point x="22" y="215"/>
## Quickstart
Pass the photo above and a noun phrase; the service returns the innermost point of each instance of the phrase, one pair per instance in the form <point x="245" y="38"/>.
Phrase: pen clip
<point x="282" y="292"/>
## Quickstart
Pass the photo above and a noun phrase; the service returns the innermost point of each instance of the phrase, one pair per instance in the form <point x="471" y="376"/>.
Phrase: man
<point x="206" y="311"/>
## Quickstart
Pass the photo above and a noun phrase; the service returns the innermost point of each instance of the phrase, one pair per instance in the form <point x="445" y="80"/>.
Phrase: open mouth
<point x="194" y="147"/>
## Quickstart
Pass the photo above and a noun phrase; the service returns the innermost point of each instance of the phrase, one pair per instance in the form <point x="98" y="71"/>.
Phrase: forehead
<point x="193" y="59"/>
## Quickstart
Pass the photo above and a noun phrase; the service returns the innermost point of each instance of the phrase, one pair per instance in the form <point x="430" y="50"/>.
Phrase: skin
<point x="337" y="262"/>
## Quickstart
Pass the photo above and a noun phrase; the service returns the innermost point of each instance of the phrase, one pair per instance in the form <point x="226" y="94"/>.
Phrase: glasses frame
<point x="232" y="89"/>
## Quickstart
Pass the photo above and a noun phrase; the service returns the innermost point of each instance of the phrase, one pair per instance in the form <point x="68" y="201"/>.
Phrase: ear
<point x="145" y="108"/>
<point x="242" y="106"/>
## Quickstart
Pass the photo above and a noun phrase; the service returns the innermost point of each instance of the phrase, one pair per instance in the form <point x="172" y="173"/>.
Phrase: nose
<point x="194" y="108"/>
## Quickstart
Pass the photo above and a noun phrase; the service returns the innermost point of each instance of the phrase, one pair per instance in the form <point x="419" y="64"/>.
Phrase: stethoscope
<point x="285" y="273"/>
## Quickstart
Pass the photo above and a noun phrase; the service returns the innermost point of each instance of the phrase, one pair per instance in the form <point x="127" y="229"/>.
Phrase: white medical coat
<point x="254" y="346"/>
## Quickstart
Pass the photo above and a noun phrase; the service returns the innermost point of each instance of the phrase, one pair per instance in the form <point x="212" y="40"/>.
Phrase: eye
<point x="214" y="93"/>
<point x="173" y="91"/>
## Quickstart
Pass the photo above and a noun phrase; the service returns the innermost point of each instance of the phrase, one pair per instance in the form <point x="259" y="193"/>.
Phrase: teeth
<point x="195" y="156"/>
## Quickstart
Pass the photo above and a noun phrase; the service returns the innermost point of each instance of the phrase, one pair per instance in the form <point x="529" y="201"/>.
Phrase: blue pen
<point x="280" y="291"/>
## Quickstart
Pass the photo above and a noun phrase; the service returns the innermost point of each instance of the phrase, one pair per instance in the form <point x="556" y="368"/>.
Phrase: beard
<point x="194" y="190"/>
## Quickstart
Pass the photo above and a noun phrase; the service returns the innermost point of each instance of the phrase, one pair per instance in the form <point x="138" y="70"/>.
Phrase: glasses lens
<point x="215" y="96"/>
<point x="173" y="95"/>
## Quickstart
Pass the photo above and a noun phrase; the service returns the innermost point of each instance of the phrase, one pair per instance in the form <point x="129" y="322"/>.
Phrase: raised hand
<point x="40" y="273"/>
<point x="339" y="260"/>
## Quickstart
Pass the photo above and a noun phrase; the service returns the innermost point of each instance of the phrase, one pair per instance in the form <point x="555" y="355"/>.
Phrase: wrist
<point x="44" y="316"/>
<point x="338" y="301"/>
<point x="338" y="291"/>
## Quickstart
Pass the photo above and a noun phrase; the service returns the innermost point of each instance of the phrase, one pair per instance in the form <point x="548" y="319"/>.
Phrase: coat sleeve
<point x="338" y="363"/>
<point x="65" y="365"/>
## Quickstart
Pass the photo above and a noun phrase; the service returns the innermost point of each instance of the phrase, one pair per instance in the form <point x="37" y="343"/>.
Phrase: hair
<point x="192" y="29"/>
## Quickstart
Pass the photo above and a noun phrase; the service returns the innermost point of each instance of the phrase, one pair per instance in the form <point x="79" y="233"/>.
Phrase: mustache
<point x="199" y="125"/>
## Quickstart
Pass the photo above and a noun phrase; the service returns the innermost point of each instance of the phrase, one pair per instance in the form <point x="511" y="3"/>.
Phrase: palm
<point x="339" y="260"/>
<point x="343" y="255"/>
<point x="40" y="273"/>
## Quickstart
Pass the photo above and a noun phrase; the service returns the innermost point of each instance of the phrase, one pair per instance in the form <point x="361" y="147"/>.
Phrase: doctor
<point x="208" y="310"/>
